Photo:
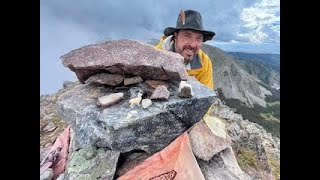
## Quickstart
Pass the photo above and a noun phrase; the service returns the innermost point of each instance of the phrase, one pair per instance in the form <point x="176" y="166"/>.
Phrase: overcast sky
<point x="242" y="25"/>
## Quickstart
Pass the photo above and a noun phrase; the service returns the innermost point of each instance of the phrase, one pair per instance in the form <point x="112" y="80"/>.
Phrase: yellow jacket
<point x="202" y="74"/>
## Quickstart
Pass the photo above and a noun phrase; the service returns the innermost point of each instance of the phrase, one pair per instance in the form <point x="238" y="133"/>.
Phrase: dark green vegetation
<point x="263" y="116"/>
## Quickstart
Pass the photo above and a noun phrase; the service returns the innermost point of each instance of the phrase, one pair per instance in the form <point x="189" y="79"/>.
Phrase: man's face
<point x="188" y="43"/>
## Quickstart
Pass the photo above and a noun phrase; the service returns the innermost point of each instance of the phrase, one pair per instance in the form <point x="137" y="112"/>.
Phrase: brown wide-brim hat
<point x="190" y="19"/>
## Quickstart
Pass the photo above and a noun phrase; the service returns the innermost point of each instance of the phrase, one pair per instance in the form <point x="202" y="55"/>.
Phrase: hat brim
<point x="207" y="35"/>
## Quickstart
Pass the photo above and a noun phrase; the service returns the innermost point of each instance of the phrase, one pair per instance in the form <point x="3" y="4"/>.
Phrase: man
<point x="186" y="39"/>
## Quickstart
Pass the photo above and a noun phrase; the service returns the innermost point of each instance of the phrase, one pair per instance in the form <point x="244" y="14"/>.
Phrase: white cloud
<point x="57" y="37"/>
<point x="261" y="22"/>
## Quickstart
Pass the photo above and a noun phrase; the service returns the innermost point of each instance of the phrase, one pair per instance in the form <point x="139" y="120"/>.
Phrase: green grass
<point x="247" y="158"/>
<point x="273" y="103"/>
<point x="275" y="167"/>
<point x="269" y="117"/>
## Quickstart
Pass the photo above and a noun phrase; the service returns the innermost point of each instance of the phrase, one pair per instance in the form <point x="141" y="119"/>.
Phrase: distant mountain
<point x="249" y="86"/>
<point x="269" y="74"/>
<point x="234" y="79"/>
<point x="273" y="59"/>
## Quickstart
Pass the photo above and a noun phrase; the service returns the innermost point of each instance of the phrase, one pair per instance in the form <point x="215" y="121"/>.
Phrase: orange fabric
<point x="204" y="74"/>
<point x="176" y="161"/>
<point x="60" y="146"/>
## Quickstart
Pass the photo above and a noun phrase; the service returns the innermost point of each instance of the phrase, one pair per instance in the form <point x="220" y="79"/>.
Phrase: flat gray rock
<point x="124" y="128"/>
<point x="47" y="175"/>
<point x="92" y="163"/>
<point x="109" y="100"/>
<point x="125" y="57"/>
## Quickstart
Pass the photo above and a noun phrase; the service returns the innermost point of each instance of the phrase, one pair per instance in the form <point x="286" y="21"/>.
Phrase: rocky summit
<point x="125" y="108"/>
<point x="103" y="118"/>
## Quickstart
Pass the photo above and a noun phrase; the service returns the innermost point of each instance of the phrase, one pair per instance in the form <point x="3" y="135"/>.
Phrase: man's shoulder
<point x="159" y="45"/>
<point x="166" y="43"/>
<point x="203" y="55"/>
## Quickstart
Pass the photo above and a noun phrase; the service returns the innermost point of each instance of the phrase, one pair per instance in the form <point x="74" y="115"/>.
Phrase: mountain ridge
<point x="235" y="81"/>
<point x="269" y="58"/>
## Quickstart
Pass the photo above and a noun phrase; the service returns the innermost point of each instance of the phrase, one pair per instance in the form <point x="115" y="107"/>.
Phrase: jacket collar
<point x="168" y="43"/>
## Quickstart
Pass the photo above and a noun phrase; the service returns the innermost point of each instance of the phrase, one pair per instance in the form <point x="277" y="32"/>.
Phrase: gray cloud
<point x="143" y="19"/>
<point x="70" y="24"/>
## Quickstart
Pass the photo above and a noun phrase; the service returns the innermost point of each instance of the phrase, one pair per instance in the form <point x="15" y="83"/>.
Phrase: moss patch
<point x="275" y="166"/>
<point x="50" y="137"/>
<point x="269" y="117"/>
<point x="58" y="122"/>
<point x="248" y="159"/>
<point x="273" y="103"/>
<point x="82" y="160"/>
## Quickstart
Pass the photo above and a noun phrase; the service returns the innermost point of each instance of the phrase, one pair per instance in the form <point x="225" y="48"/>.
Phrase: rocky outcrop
<point x="51" y="125"/>
<point x="125" y="57"/>
<point x="124" y="128"/>
<point x="223" y="166"/>
<point x="250" y="145"/>
<point x="119" y="122"/>
<point x="126" y="132"/>
<point x="257" y="151"/>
